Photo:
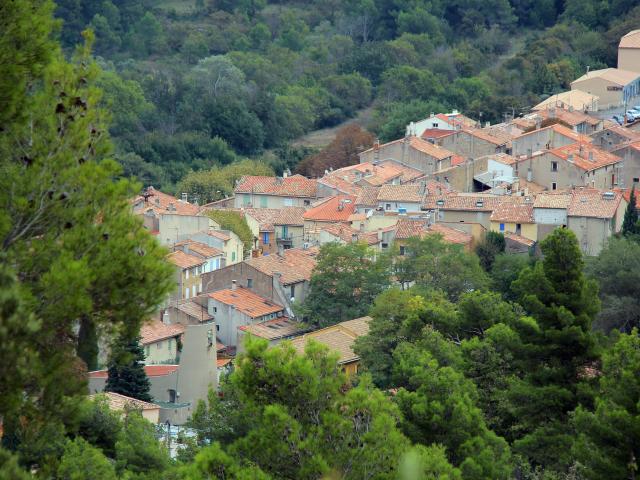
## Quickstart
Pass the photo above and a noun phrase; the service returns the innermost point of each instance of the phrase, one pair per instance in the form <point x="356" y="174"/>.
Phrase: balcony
<point x="284" y="240"/>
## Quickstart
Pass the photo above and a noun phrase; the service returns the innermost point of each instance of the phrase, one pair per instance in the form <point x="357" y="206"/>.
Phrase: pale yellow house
<point x="274" y="192"/>
<point x="161" y="342"/>
<point x="517" y="218"/>
<point x="629" y="52"/>
<point x="188" y="271"/>
<point x="338" y="338"/>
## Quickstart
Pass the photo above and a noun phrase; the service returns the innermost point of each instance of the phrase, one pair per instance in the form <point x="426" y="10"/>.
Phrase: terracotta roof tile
<point x="219" y="234"/>
<point x="198" y="248"/>
<point x="559" y="201"/>
<point x="436" y="133"/>
<point x="348" y="234"/>
<point x="332" y="209"/>
<point x="338" y="338"/>
<point x="519" y="239"/>
<point x="614" y="75"/>
<point x="246" y="301"/>
<point x="421" y="145"/>
<point x="585" y="156"/>
<point x="486" y="136"/>
<point x="368" y="197"/>
<point x="184" y="260"/>
<point x="162" y="203"/>
<point x="572" y="98"/>
<point x="269" y="217"/>
<point x="294" y="265"/>
<point x="274" y="329"/>
<point x="402" y="193"/>
<point x="340" y="184"/>
<point x="449" y="234"/>
<point x="155" y="330"/>
<point x="293" y="186"/>
<point x="463" y="202"/>
<point x="560" y="130"/>
<point x="194" y="310"/>
<point x="574" y="118"/>
<point x="120" y="402"/>
<point x="513" y="212"/>
<point x="593" y="203"/>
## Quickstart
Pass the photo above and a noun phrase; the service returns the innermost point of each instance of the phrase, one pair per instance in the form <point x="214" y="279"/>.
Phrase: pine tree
<point x="557" y="346"/>
<point x="630" y="224"/>
<point x="126" y="373"/>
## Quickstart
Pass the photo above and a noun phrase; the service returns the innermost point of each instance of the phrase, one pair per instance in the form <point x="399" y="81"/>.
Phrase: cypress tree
<point x="630" y="222"/>
<point x="88" y="343"/>
<point x="126" y="373"/>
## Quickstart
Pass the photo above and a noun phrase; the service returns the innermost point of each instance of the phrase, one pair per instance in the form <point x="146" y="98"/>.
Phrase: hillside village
<point x="561" y="166"/>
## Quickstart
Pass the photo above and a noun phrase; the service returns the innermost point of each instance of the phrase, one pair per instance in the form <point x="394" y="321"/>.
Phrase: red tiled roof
<point x="407" y="228"/>
<point x="120" y="402"/>
<point x="421" y="145"/>
<point x="294" y="265"/>
<point x="340" y="184"/>
<point x="184" y="260"/>
<point x="155" y="330"/>
<point x="436" y="133"/>
<point x="368" y="197"/>
<point x="463" y="202"/>
<point x="222" y="362"/>
<point x="511" y="212"/>
<point x="449" y="234"/>
<point x="487" y="137"/>
<point x="150" y="370"/>
<point x="161" y="202"/>
<point x="590" y="202"/>
<point x="332" y="209"/>
<point x="293" y="186"/>
<point x="457" y="160"/>
<point x="560" y="130"/>
<point x="194" y="310"/>
<point x="586" y="156"/>
<point x="219" y="234"/>
<point x="573" y="118"/>
<point x="269" y="217"/>
<point x="519" y="239"/>
<point x="348" y="234"/>
<point x="402" y="193"/>
<point x="246" y="301"/>
<point x="552" y="200"/>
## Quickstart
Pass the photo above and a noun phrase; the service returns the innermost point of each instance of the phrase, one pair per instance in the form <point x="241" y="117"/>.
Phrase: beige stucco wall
<point x="162" y="352"/>
<point x="598" y="86"/>
<point x="460" y="177"/>
<point x="528" y="230"/>
<point x="539" y="140"/>
<point x="462" y="216"/>
<point x="629" y="59"/>
<point x="468" y="146"/>
<point x="174" y="227"/>
<point x="403" y="153"/>
<point x="567" y="175"/>
<point x="592" y="233"/>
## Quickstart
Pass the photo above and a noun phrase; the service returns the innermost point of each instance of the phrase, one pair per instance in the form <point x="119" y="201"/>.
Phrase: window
<point x="554" y="185"/>
<point x="387" y="206"/>
<point x="170" y="344"/>
<point x="265" y="238"/>
<point x="402" y="247"/>
<point x="249" y="282"/>
<point x="307" y="203"/>
<point x="186" y="292"/>
<point x="288" y="202"/>
<point x="435" y="125"/>
<point x="293" y="291"/>
<point x="217" y="328"/>
<point x="148" y="350"/>
<point x="385" y="245"/>
<point x="158" y="345"/>
<point x="215" y="309"/>
<point x="246" y="200"/>
<point x="193" y="291"/>
<point x="263" y="201"/>
<point x="285" y="231"/>
<point x="172" y="396"/>
<point x="554" y="166"/>
<point x="186" y="274"/>
<point x="502" y="227"/>
<point x="233" y="256"/>
<point x="636" y="180"/>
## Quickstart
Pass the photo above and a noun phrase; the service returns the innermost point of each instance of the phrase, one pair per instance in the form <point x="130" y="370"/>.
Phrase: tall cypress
<point x="630" y="222"/>
<point x="126" y="373"/>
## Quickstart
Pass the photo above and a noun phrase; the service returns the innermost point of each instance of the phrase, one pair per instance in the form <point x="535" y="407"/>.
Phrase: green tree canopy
<point x="126" y="374"/>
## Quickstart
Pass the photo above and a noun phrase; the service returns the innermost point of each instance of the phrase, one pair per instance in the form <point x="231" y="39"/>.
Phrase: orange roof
<point x="552" y="200"/>
<point x="463" y="202"/>
<point x="487" y="137"/>
<point x="573" y="118"/>
<point x="333" y="209"/>
<point x="155" y="330"/>
<point x="194" y="310"/>
<point x="348" y="234"/>
<point x="457" y="160"/>
<point x="274" y="329"/>
<point x="626" y="194"/>
<point x="407" y="228"/>
<point x="159" y="202"/>
<point x="246" y="301"/>
<point x="294" y="265"/>
<point x="184" y="260"/>
<point x="560" y="130"/>
<point x="340" y="184"/>
<point x="511" y="212"/>
<point x="519" y="239"/>
<point x="293" y="186"/>
<point x="199" y="248"/>
<point x="375" y="173"/>
<point x="585" y="156"/>
<point x="150" y="370"/>
<point x="221" y="362"/>
<point x="591" y="202"/>
<point x="368" y="197"/>
<point x="436" y="133"/>
<point x="219" y="234"/>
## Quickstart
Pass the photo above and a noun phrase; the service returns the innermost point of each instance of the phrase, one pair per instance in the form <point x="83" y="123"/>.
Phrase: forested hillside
<point x="195" y="84"/>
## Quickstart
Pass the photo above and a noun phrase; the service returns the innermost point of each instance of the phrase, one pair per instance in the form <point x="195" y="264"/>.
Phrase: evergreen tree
<point x="126" y="373"/>
<point x="556" y="349"/>
<point x="608" y="444"/>
<point x="630" y="225"/>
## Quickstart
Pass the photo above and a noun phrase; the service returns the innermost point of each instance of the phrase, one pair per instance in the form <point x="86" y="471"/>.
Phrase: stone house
<point x="275" y="192"/>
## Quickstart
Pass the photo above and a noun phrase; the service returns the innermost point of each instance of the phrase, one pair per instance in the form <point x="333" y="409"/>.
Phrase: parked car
<point x="619" y="119"/>
<point x="632" y="115"/>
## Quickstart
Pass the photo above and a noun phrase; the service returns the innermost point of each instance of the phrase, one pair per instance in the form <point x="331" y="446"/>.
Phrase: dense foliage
<point x="192" y="83"/>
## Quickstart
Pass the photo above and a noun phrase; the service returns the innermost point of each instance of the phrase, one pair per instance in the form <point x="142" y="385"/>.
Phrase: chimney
<point x="165" y="317"/>
<point x="285" y="174"/>
<point x="234" y="285"/>
<point x="552" y="112"/>
<point x="538" y="124"/>
<point x="591" y="156"/>
<point x="185" y="196"/>
<point x="376" y="144"/>
<point x="354" y="237"/>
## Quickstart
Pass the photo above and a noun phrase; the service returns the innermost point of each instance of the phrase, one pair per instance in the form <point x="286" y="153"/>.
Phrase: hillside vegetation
<point x="194" y="84"/>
